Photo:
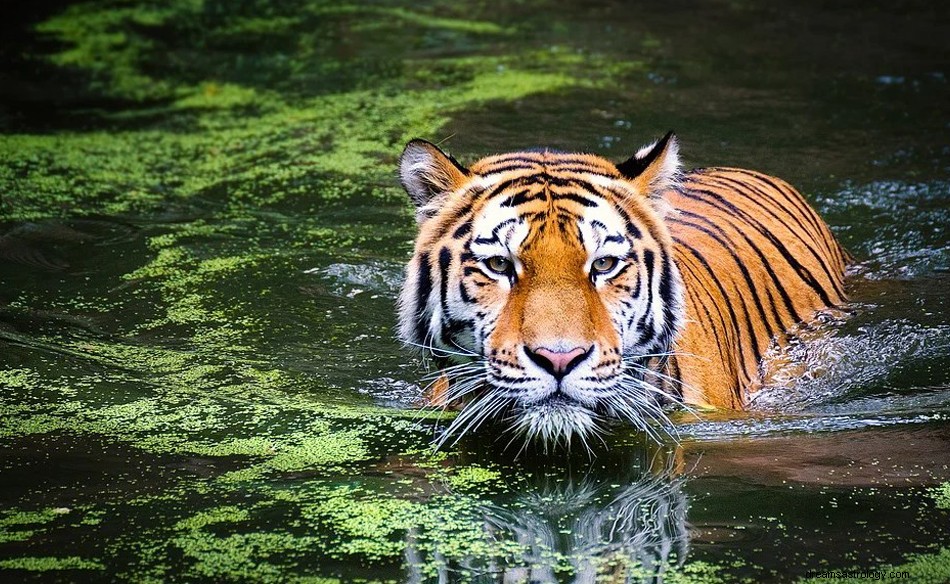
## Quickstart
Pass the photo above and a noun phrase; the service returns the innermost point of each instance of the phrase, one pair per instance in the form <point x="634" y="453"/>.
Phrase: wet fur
<point x="716" y="264"/>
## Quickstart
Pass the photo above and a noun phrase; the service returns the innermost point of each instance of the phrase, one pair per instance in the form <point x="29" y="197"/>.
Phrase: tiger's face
<point x="547" y="278"/>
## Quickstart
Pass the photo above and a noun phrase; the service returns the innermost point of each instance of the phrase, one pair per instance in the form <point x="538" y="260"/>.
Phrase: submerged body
<point x="570" y="290"/>
<point x="755" y="259"/>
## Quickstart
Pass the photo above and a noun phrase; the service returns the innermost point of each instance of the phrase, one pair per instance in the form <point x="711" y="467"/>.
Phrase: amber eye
<point x="498" y="264"/>
<point x="604" y="265"/>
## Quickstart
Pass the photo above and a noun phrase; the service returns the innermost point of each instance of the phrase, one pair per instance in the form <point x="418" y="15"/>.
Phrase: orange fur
<point x="749" y="258"/>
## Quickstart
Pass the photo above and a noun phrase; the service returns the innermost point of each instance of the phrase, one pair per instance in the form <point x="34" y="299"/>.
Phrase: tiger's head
<point x="547" y="278"/>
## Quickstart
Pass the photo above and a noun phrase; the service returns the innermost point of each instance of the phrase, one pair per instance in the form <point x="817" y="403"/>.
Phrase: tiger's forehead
<point x="545" y="161"/>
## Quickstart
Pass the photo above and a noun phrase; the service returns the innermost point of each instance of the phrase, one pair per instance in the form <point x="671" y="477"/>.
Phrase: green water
<point x="201" y="239"/>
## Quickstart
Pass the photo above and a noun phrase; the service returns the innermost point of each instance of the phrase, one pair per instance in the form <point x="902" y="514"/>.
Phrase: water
<point x="201" y="239"/>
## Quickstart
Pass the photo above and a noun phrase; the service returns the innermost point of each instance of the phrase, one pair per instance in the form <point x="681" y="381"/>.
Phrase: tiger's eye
<point x="604" y="265"/>
<point x="498" y="264"/>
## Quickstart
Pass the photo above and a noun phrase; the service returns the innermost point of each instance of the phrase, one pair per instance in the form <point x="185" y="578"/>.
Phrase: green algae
<point x="471" y="478"/>
<point x="275" y="151"/>
<point x="18" y="378"/>
<point x="927" y="568"/>
<point x="235" y="162"/>
<point x="941" y="495"/>
<point x="22" y="525"/>
<point x="334" y="141"/>
<point x="44" y="564"/>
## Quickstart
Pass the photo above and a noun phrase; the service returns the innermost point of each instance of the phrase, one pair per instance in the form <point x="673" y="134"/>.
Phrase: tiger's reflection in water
<point x="584" y="527"/>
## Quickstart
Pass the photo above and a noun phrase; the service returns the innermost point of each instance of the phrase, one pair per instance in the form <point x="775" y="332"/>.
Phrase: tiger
<point x="559" y="292"/>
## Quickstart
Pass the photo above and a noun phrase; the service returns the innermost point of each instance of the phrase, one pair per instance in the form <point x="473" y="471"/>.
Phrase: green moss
<point x="18" y="378"/>
<point x="941" y="495"/>
<point x="229" y="514"/>
<point x="469" y="478"/>
<point x="101" y="42"/>
<point x="31" y="517"/>
<point x="245" y="556"/>
<point x="236" y="132"/>
<point x="45" y="564"/>
<point x="22" y="525"/>
<point x="254" y="143"/>
<point x="932" y="568"/>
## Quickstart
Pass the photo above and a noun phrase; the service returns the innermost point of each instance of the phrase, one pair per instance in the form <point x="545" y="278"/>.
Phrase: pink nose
<point x="557" y="363"/>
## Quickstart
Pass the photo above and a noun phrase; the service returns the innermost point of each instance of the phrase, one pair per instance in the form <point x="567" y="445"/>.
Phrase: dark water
<point x="201" y="239"/>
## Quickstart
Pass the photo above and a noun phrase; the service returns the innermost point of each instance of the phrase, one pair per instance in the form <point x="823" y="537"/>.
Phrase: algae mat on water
<point x="201" y="152"/>
<point x="201" y="239"/>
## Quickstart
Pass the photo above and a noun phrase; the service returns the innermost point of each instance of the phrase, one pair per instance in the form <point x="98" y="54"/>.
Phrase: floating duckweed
<point x="467" y="478"/>
<point x="941" y="495"/>
<point x="932" y="568"/>
<point x="45" y="564"/>
<point x="227" y="514"/>
<point x="240" y="556"/>
<point x="30" y="517"/>
<point x="18" y="378"/>
<point x="234" y="140"/>
<point x="22" y="525"/>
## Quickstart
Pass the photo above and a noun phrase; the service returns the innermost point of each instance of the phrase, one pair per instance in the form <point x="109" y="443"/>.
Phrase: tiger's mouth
<point x="557" y="418"/>
<point x="560" y="416"/>
<point x="555" y="415"/>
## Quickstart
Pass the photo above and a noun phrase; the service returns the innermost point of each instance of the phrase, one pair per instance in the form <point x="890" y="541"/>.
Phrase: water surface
<point x="201" y="240"/>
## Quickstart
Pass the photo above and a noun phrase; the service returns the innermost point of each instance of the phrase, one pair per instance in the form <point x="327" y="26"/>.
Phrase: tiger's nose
<point x="558" y="363"/>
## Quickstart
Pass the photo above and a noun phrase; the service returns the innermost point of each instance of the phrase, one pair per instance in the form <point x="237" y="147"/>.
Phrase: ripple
<point x="898" y="230"/>
<point x="352" y="279"/>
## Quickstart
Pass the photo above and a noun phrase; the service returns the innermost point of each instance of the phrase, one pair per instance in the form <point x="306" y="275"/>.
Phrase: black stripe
<point x="462" y="230"/>
<point x="580" y="199"/>
<point x="578" y="168"/>
<point x="463" y="292"/>
<point x="727" y="245"/>
<point x="461" y="215"/>
<point x="792" y="197"/>
<point x="445" y="259"/>
<point x="638" y="289"/>
<point x="522" y="197"/>
<point x="423" y="290"/>
<point x="694" y="292"/>
<point x="632" y="228"/>
<point x="574" y="182"/>
<point x="821" y="262"/>
<point x="497" y="188"/>
<point x="766" y="264"/>
<point x="648" y="262"/>
<point x="732" y="313"/>
<point x="816" y="234"/>
<point x="528" y="169"/>
<point x="494" y="232"/>
<point x="722" y="204"/>
<point x="448" y="324"/>
<point x="623" y="270"/>
<point x="666" y="294"/>
<point x="814" y="218"/>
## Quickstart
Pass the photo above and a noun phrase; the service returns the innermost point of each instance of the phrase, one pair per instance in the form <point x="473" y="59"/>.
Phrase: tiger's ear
<point x="655" y="167"/>
<point x="428" y="174"/>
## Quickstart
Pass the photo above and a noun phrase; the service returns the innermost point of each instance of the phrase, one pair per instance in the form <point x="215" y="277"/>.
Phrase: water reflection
<point x="639" y="512"/>
<point x="624" y="519"/>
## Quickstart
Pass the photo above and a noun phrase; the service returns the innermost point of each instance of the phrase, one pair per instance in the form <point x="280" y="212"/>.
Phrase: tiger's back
<point x="755" y="259"/>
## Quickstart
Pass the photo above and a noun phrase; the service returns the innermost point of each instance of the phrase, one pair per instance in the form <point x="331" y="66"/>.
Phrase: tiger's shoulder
<point x="756" y="258"/>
